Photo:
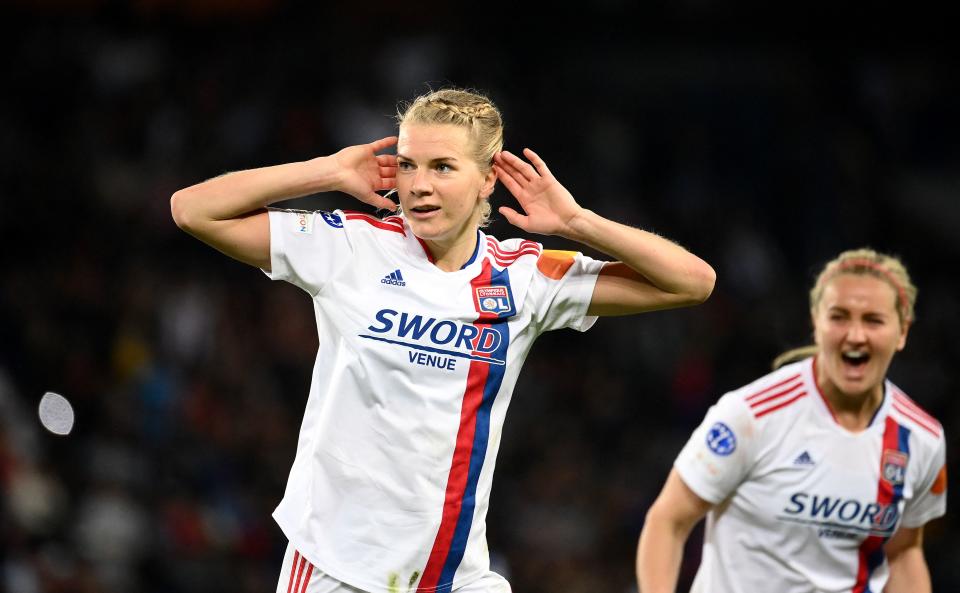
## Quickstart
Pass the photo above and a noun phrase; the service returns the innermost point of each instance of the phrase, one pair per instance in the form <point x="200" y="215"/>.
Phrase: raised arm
<point x="652" y="272"/>
<point x="666" y="529"/>
<point x="228" y="212"/>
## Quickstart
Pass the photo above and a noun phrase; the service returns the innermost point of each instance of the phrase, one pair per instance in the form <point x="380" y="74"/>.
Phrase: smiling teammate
<point x="424" y="322"/>
<point x="820" y="476"/>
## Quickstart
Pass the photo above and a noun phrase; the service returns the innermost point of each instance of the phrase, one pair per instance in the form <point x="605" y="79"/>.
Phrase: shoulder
<point x="309" y="222"/>
<point x="909" y="414"/>
<point x="776" y="393"/>
<point x="549" y="264"/>
<point x="367" y="223"/>
<point x="305" y="226"/>
<point x="511" y="251"/>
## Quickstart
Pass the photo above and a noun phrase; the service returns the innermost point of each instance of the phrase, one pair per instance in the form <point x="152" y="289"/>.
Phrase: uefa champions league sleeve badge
<point x="721" y="440"/>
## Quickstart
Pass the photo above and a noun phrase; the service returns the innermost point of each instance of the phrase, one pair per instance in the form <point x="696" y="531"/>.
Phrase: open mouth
<point x="425" y="209"/>
<point x="855" y="358"/>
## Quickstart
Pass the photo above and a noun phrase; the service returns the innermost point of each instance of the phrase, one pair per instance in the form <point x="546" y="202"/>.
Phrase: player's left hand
<point x="549" y="209"/>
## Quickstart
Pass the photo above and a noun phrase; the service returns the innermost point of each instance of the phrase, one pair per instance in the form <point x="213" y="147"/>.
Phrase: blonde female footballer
<point x="424" y="322"/>
<point x="820" y="476"/>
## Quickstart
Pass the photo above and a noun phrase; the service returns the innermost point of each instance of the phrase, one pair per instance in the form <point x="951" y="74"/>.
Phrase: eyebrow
<point x="436" y="160"/>
<point x="842" y="309"/>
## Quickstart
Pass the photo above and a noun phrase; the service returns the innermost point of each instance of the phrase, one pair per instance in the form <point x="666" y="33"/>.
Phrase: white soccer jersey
<point x="390" y="485"/>
<point x="803" y="504"/>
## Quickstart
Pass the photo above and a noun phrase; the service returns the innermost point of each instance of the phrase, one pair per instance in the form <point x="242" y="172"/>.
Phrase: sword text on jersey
<point x="438" y="342"/>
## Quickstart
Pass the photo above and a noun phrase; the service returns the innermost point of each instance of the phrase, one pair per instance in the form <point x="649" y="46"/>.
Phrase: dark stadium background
<point x="764" y="149"/>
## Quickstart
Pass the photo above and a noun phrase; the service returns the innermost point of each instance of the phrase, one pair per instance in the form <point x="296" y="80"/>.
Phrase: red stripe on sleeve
<point x="303" y="562"/>
<point x="928" y="421"/>
<point x="387" y="226"/>
<point x="763" y="413"/>
<point x="934" y="430"/>
<point x="782" y="393"/>
<point x="908" y="402"/>
<point x="293" y="569"/>
<point x="306" y="578"/>
<point x="772" y="387"/>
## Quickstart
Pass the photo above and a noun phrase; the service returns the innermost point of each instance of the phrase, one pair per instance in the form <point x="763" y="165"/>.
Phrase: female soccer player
<point x="819" y="476"/>
<point x="424" y="322"/>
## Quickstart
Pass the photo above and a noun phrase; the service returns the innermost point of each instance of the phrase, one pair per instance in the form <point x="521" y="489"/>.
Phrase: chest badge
<point x="495" y="300"/>
<point x="893" y="467"/>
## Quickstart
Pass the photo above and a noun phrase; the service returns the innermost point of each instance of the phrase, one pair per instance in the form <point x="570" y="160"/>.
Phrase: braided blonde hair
<point x="465" y="108"/>
<point x="860" y="262"/>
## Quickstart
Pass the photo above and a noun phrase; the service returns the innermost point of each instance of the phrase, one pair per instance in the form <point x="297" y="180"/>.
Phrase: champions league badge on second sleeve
<point x="721" y="439"/>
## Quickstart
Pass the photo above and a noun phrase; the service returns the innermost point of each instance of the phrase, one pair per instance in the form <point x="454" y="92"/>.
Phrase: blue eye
<point x="403" y="165"/>
<point x="444" y="168"/>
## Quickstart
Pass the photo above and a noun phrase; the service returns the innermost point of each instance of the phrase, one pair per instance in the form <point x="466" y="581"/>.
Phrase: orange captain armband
<point x="554" y="263"/>
<point x="940" y="483"/>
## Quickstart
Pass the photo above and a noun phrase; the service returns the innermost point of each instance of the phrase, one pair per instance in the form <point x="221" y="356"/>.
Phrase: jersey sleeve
<point x="306" y="247"/>
<point x="562" y="288"/>
<point x="720" y="452"/>
<point x="930" y="499"/>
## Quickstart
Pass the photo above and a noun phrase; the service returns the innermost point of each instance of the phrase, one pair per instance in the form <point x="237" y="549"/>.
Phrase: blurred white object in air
<point x="56" y="413"/>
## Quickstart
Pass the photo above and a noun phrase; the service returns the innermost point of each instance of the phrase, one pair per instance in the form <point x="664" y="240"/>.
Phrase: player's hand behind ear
<point x="362" y="172"/>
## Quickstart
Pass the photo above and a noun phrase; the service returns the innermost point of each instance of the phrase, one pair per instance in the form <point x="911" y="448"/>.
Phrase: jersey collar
<point x="418" y="252"/>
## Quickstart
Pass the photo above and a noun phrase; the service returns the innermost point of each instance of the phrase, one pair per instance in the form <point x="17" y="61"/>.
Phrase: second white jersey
<point x="415" y="369"/>
<point x="802" y="504"/>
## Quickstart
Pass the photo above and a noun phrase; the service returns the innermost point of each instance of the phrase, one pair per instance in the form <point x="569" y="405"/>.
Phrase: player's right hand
<point x="362" y="172"/>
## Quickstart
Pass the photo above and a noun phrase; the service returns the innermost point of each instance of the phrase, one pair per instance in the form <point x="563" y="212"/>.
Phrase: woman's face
<point x="858" y="331"/>
<point x="439" y="184"/>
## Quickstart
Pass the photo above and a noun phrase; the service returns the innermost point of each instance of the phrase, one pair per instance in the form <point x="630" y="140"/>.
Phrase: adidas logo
<point x="395" y="278"/>
<point x="803" y="459"/>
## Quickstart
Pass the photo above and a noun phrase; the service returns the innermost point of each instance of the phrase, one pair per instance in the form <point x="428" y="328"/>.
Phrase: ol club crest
<point x="893" y="467"/>
<point x="495" y="300"/>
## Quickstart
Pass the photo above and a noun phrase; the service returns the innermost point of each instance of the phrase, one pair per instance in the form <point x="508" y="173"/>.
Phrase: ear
<point x="489" y="182"/>
<point x="903" y="336"/>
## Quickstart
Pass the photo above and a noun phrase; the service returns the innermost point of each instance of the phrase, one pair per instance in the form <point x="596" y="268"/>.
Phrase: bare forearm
<point x="909" y="573"/>
<point x="664" y="264"/>
<point x="236" y="194"/>
<point x="659" y="555"/>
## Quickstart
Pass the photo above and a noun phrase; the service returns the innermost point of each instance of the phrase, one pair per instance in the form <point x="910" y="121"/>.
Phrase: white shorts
<point x="297" y="575"/>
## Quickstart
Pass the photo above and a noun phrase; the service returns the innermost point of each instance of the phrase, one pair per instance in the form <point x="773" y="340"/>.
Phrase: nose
<point x="856" y="333"/>
<point x="420" y="185"/>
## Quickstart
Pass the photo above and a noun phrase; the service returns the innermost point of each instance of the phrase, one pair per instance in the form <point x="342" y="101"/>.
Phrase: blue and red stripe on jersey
<point x="483" y="384"/>
<point x="896" y="437"/>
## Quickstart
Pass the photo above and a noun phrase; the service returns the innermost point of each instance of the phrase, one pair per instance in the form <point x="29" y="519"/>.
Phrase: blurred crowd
<point x="189" y="372"/>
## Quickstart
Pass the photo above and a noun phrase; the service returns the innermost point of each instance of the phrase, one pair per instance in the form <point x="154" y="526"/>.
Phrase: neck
<point x="450" y="256"/>
<point x="852" y="411"/>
